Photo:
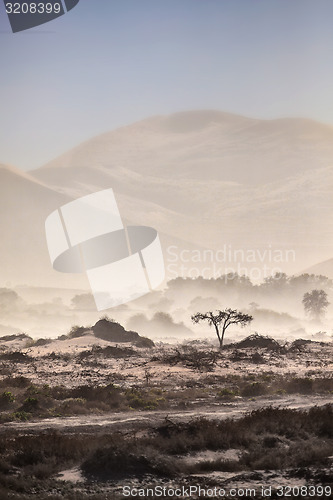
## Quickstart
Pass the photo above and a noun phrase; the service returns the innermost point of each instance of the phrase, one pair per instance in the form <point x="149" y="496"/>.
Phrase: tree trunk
<point x="222" y="338"/>
<point x="218" y="335"/>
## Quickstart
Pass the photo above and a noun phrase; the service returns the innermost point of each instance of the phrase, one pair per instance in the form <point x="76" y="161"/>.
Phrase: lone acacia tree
<point x="315" y="303"/>
<point x="222" y="320"/>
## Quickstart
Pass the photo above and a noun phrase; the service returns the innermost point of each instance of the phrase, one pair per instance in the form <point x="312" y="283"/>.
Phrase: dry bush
<point x="254" y="389"/>
<point x="16" y="357"/>
<point x="107" y="352"/>
<point x="257" y="341"/>
<point x="13" y="381"/>
<point x="189" y="356"/>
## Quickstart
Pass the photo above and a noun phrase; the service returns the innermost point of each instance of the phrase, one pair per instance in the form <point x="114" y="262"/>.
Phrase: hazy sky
<point x="108" y="63"/>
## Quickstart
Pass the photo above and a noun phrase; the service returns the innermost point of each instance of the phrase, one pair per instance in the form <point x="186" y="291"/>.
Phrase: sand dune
<point x="203" y="179"/>
<point x="24" y="205"/>
<point x="204" y="145"/>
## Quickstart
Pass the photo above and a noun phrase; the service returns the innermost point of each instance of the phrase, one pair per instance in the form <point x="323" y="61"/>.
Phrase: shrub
<point x="112" y="331"/>
<point x="253" y="390"/>
<point x="6" y="398"/>
<point x="21" y="415"/>
<point x="108" y="352"/>
<point x="124" y="460"/>
<point x="73" y="406"/>
<point x="77" y="331"/>
<point x="42" y="342"/>
<point x="116" y="464"/>
<point x="190" y="357"/>
<point x="227" y="394"/>
<point x="139" y="400"/>
<point x="16" y="357"/>
<point x="259" y="341"/>
<point x="19" y="381"/>
<point x="29" y="405"/>
<point x="300" y="385"/>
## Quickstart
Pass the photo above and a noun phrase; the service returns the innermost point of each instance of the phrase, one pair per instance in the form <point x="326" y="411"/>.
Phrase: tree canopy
<point x="315" y="303"/>
<point x="222" y="320"/>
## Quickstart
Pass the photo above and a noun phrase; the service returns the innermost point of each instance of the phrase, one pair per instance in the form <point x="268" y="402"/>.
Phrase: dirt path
<point x="130" y="420"/>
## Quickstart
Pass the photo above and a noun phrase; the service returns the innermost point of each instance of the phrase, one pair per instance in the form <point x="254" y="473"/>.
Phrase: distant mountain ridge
<point x="202" y="145"/>
<point x="260" y="182"/>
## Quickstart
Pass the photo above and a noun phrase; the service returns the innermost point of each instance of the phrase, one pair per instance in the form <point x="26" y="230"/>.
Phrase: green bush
<point x="30" y="404"/>
<point x="227" y="393"/>
<point x="21" y="415"/>
<point x="6" y="398"/>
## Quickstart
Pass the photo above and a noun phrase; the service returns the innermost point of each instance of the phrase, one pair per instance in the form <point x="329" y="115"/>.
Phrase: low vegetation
<point x="267" y="439"/>
<point x="206" y="376"/>
<point x="20" y="399"/>
<point x="41" y="401"/>
<point x="122" y="377"/>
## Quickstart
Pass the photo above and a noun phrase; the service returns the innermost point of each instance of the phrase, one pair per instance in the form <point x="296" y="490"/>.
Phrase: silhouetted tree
<point x="278" y="281"/>
<point x="315" y="303"/>
<point x="253" y="306"/>
<point x="222" y="320"/>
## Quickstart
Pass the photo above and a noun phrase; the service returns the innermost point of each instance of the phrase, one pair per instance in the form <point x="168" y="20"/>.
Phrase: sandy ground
<point x="57" y="363"/>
